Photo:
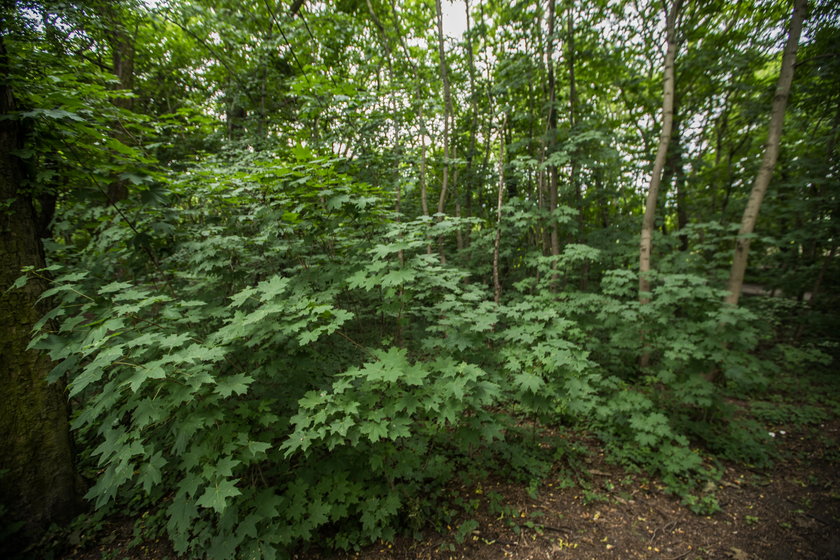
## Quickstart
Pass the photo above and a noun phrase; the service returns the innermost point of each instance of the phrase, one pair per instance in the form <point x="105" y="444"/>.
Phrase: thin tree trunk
<point x="262" y="122"/>
<point x="552" y="131"/>
<point x="678" y="171"/>
<point x="658" y="165"/>
<point x="648" y="221"/>
<point x="573" y="102"/>
<point x="447" y="120"/>
<point x="497" y="282"/>
<point x="573" y="171"/>
<point x="771" y="153"/>
<point x="424" y="199"/>
<point x="39" y="484"/>
<point x="674" y="172"/>
<point x="544" y="233"/>
<point x="122" y="58"/>
<point x="682" y="210"/>
<point x="469" y="172"/>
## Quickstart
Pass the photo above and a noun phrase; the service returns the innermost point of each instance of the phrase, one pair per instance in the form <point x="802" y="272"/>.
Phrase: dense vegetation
<point x="304" y="265"/>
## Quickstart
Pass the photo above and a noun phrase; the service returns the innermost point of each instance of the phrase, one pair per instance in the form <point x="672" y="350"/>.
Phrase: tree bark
<point x="771" y="154"/>
<point x="471" y="151"/>
<point x="497" y="282"/>
<point x="682" y="210"/>
<point x="573" y="103"/>
<point x="573" y="169"/>
<point x="661" y="155"/>
<point x="122" y="59"/>
<point x="38" y="484"/>
<point x="447" y="120"/>
<point x="424" y="203"/>
<point x="552" y="131"/>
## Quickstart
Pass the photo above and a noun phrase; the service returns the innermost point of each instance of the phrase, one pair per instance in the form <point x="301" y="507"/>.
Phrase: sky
<point x="454" y="18"/>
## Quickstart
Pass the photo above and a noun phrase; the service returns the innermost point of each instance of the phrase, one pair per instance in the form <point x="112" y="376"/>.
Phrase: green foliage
<point x="204" y="388"/>
<point x="781" y="414"/>
<point x="270" y="341"/>
<point x="207" y="391"/>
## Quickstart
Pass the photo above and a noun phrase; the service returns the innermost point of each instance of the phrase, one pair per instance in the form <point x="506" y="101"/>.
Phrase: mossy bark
<point x="38" y="483"/>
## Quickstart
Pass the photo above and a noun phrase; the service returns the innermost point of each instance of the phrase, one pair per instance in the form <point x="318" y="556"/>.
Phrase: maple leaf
<point x="216" y="495"/>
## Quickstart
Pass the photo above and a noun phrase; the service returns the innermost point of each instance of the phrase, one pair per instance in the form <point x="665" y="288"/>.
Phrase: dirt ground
<point x="791" y="511"/>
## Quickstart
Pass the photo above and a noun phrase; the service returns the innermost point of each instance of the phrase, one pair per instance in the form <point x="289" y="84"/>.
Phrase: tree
<point x="552" y="129"/>
<point x="448" y="118"/>
<point x="261" y="348"/>
<point x="771" y="153"/>
<point x="38" y="483"/>
<point x="661" y="155"/>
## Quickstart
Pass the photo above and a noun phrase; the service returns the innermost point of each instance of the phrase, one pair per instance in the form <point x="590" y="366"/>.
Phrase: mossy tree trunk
<point x="38" y="483"/>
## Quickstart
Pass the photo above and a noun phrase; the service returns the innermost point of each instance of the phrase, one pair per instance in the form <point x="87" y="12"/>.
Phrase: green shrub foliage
<point x="289" y="309"/>
<point x="260" y="384"/>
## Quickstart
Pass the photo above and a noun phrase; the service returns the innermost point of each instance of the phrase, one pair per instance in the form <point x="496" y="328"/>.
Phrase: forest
<point x="295" y="279"/>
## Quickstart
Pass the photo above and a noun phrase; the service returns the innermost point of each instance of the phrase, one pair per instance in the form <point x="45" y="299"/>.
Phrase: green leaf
<point x="256" y="448"/>
<point x="19" y="283"/>
<point x="399" y="427"/>
<point x="375" y="430"/>
<point x="398" y="277"/>
<point x="529" y="382"/>
<point x="150" y="474"/>
<point x="72" y="277"/>
<point x="272" y="288"/>
<point x="174" y="340"/>
<point x="340" y="427"/>
<point x="234" y="384"/>
<point x="53" y="114"/>
<point x="114" y="287"/>
<point x="237" y="300"/>
<point x="216" y="494"/>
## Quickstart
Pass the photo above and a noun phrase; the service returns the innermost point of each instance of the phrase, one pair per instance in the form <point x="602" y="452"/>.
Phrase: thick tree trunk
<point x="771" y="153"/>
<point x="661" y="155"/>
<point x="38" y="484"/>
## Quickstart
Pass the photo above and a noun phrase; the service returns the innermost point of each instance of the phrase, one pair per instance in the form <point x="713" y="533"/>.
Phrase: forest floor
<point x="789" y="511"/>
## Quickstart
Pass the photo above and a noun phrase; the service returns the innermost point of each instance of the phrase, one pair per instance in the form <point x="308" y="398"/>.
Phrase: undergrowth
<point x="268" y="381"/>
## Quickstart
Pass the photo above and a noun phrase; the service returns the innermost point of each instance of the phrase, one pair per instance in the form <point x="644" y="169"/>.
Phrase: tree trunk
<point x="471" y="151"/>
<point x="122" y="58"/>
<point x="682" y="210"/>
<point x="38" y="484"/>
<point x="552" y="131"/>
<point x="424" y="202"/>
<point x="573" y="169"/>
<point x="664" y="139"/>
<point x="771" y="153"/>
<point x="497" y="282"/>
<point x="674" y="172"/>
<point x="573" y="102"/>
<point x="447" y="121"/>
